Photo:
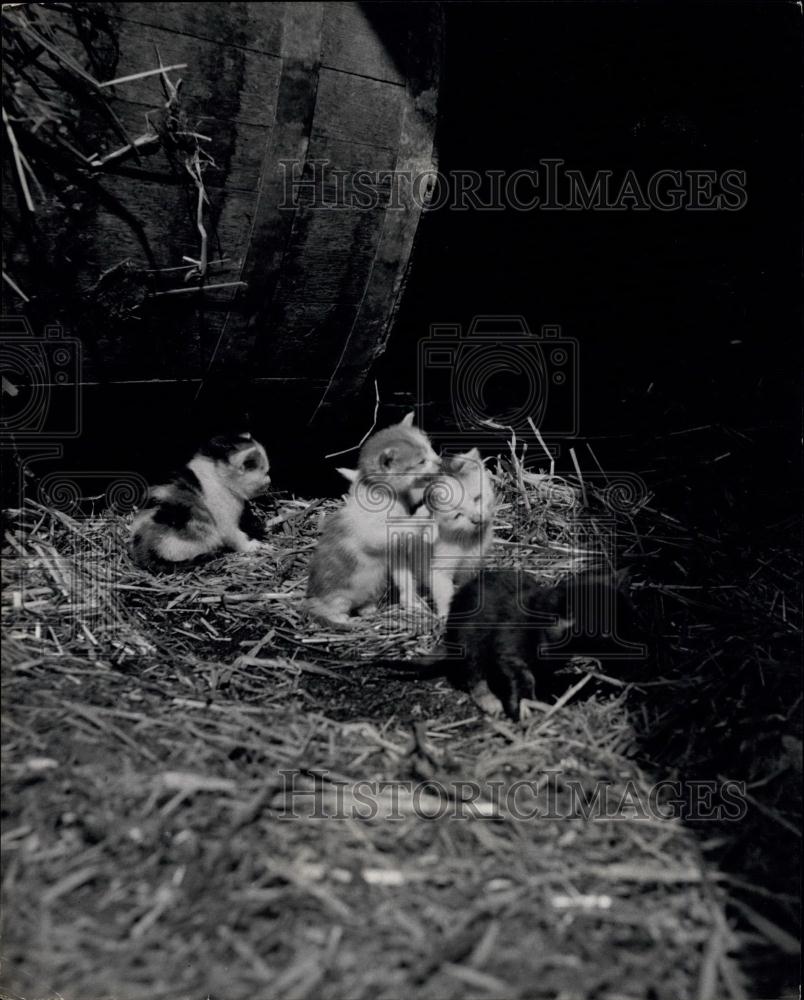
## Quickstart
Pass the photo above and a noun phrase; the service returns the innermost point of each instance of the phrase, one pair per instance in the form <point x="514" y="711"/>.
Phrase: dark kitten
<point x="507" y="634"/>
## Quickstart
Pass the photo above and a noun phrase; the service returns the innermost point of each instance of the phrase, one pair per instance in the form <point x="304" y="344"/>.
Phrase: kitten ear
<point x="350" y="474"/>
<point x="222" y="446"/>
<point x="473" y="455"/>
<point x="407" y="420"/>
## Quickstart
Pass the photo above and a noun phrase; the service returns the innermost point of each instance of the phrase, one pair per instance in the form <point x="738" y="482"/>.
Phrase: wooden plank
<point x="237" y="145"/>
<point x="357" y="109"/>
<point x="167" y="216"/>
<point x="416" y="154"/>
<point x="331" y="253"/>
<point x="271" y="226"/>
<point x="321" y="282"/>
<point x="314" y="331"/>
<point x="256" y="26"/>
<point x="226" y="81"/>
<point x="351" y="43"/>
<point x="173" y="337"/>
<point x="319" y="184"/>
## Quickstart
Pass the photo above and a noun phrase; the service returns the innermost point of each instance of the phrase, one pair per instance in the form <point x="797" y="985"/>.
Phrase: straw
<point x="152" y="854"/>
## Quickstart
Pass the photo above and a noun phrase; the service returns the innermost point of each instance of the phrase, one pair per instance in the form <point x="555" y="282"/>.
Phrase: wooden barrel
<point x="277" y="90"/>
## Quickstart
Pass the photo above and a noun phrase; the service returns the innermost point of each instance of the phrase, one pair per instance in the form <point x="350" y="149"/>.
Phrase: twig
<point x="362" y="441"/>
<point x="194" y="169"/>
<point x="517" y="465"/>
<point x="199" y="288"/>
<point x="58" y="55"/>
<point x="594" y="458"/>
<point x="562" y="701"/>
<point x="19" y="163"/>
<point x="141" y="76"/>
<point x="546" y="450"/>
<point x="580" y="477"/>
<point x="10" y="281"/>
<point x="187" y="267"/>
<point x="146" y="139"/>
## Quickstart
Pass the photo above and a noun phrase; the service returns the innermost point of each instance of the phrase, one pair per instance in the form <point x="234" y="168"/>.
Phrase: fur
<point x="462" y="503"/>
<point x="202" y="509"/>
<point x="361" y="545"/>
<point x="507" y="632"/>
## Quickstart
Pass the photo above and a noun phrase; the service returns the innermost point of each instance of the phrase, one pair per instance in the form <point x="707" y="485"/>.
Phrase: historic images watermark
<point x="590" y="626"/>
<point x="41" y="397"/>
<point x="86" y="601"/>
<point x="549" y="186"/>
<point x="500" y="376"/>
<point x="43" y="409"/>
<point x="510" y="392"/>
<point x="549" y="796"/>
<point x="40" y="382"/>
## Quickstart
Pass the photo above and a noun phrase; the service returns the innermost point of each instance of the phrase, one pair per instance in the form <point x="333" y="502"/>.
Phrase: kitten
<point x="202" y="509"/>
<point x="506" y="634"/>
<point x="362" y="543"/>
<point x="461" y="503"/>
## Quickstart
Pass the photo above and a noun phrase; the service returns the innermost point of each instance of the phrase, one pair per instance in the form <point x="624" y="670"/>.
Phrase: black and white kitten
<point x="203" y="509"/>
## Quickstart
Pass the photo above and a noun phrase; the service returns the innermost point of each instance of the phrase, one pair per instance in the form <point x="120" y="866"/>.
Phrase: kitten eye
<point x="477" y="499"/>
<point x="249" y="464"/>
<point x="422" y="462"/>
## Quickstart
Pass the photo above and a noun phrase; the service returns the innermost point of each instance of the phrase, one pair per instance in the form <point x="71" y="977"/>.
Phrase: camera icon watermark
<point x="80" y="570"/>
<point x="500" y="377"/>
<point x="80" y="581"/>
<point x="89" y="493"/>
<point x="40" y="383"/>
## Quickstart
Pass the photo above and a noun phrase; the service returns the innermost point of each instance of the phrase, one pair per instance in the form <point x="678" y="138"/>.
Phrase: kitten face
<point x="462" y="499"/>
<point x="402" y="454"/>
<point x="242" y="463"/>
<point x="201" y="509"/>
<point x="250" y="470"/>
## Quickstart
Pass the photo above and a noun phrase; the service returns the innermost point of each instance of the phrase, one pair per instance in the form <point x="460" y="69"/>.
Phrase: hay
<point x="148" y="853"/>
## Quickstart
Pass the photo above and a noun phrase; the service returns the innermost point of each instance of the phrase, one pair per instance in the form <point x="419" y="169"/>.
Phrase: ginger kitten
<point x="199" y="511"/>
<point x="362" y="544"/>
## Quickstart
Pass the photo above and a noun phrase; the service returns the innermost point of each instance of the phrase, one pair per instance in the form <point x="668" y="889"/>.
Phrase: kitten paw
<point x="408" y="603"/>
<point x="341" y="623"/>
<point x="328" y="616"/>
<point x="486" y="701"/>
<point x="255" y="545"/>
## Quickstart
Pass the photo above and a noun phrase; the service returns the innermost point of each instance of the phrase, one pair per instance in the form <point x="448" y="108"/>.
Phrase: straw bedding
<point x="149" y="847"/>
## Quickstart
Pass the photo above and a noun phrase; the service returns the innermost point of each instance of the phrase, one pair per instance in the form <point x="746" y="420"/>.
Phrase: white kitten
<point x="461" y="502"/>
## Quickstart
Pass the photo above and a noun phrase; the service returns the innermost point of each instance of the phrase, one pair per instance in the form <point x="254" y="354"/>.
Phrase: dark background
<point x="683" y="319"/>
<point x="654" y="299"/>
